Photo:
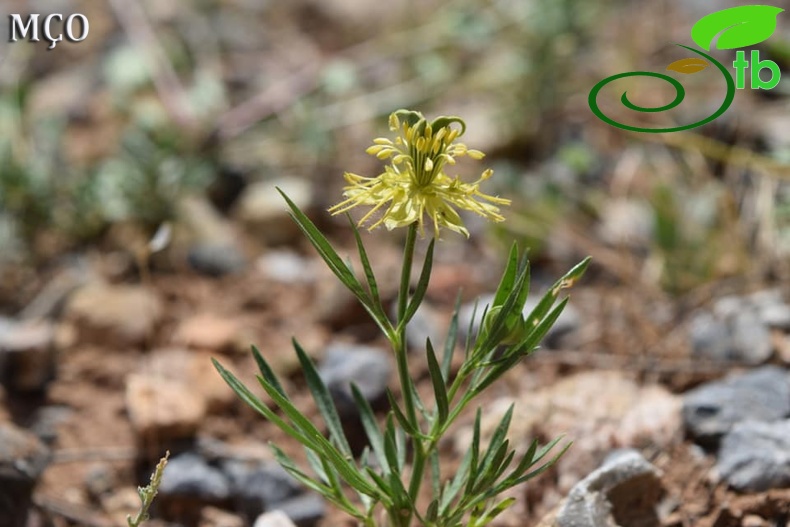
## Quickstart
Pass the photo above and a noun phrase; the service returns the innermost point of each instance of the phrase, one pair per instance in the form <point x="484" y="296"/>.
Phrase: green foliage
<point x="413" y="429"/>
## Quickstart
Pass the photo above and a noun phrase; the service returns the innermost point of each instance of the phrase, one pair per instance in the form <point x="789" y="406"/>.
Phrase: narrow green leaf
<point x="371" y="427"/>
<point x="439" y="388"/>
<point x="508" y="277"/>
<point x="436" y="474"/>
<point x="498" y="509"/>
<point x="432" y="514"/>
<point x="422" y="286"/>
<point x="526" y="461"/>
<point x="256" y="404"/>
<point x="391" y="448"/>
<point x="266" y="370"/>
<point x="341" y="463"/>
<point x="363" y="257"/>
<point x="452" y="339"/>
<point x="399" y="415"/>
<point x="322" y="399"/>
<point x="315" y="463"/>
<point x="325" y="250"/>
<point x="451" y="490"/>
<point x="475" y="448"/>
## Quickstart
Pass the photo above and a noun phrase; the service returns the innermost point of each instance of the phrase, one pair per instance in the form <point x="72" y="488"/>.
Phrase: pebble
<point x="305" y="510"/>
<point x="755" y="456"/>
<point x="260" y="486"/>
<point x="216" y="258"/>
<point x="711" y="410"/>
<point x="214" y="517"/>
<point x="114" y="315"/>
<point x="193" y="370"/>
<point x="210" y="332"/>
<point x="23" y="458"/>
<point x="27" y="359"/>
<point x="188" y="475"/>
<point x="623" y="491"/>
<point x="265" y="213"/>
<point x="286" y="267"/>
<point x="274" y="519"/>
<point x="163" y="409"/>
<point x="598" y="410"/>
<point x="627" y="223"/>
<point x="368" y="367"/>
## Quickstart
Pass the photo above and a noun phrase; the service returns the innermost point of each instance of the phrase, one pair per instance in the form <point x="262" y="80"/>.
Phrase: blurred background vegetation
<point x="170" y="99"/>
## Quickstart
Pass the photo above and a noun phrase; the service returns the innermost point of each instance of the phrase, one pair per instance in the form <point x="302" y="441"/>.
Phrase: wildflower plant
<point x="401" y="464"/>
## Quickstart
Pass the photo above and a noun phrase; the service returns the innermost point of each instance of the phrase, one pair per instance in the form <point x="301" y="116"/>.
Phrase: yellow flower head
<point x="414" y="184"/>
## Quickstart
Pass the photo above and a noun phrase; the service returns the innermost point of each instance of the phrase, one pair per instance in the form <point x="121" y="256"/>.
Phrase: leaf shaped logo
<point x="741" y="26"/>
<point x="688" y="66"/>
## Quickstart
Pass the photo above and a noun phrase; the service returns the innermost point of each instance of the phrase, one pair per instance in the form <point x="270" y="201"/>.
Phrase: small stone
<point x="274" y="519"/>
<point x="711" y="410"/>
<point x="655" y="419"/>
<point x="46" y="421"/>
<point x="755" y="456"/>
<point x="367" y="367"/>
<point x="305" y="510"/>
<point x="163" y="409"/>
<point x="710" y="337"/>
<point x="751" y="339"/>
<point x="114" y="315"/>
<point x="214" y="517"/>
<point x="623" y="491"/>
<point x="776" y="316"/>
<point x="27" y="360"/>
<point x="627" y="222"/>
<point x="265" y="213"/>
<point x="260" y="486"/>
<point x="753" y="520"/>
<point x="287" y="267"/>
<point x="194" y="370"/>
<point x="426" y="323"/>
<point x="210" y="332"/>
<point x="216" y="258"/>
<point x="188" y="475"/>
<point x="23" y="458"/>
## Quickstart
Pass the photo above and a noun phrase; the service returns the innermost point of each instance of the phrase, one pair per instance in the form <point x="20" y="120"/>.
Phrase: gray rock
<point x="710" y="336"/>
<point x="287" y="267"/>
<point x="305" y="510"/>
<point x="216" y="258"/>
<point x="188" y="475"/>
<point x="370" y="370"/>
<point x="623" y="491"/>
<point x="776" y="316"/>
<point x="274" y="519"/>
<point x="733" y="332"/>
<point x="711" y="410"/>
<point x="367" y="367"/>
<point x="23" y="458"/>
<point x="425" y="324"/>
<point x="568" y="321"/>
<point x="265" y="213"/>
<point x="102" y="314"/>
<point x="27" y="359"/>
<point x="751" y="339"/>
<point x="259" y="487"/>
<point x="755" y="456"/>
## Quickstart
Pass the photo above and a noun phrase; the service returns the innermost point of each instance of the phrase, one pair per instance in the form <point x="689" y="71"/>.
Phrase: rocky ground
<point x="103" y="372"/>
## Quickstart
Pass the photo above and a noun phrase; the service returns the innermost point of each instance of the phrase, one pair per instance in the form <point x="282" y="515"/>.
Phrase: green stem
<point x="400" y="338"/>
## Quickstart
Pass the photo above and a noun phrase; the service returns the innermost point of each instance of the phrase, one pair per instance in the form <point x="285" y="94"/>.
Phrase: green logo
<point x="737" y="27"/>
